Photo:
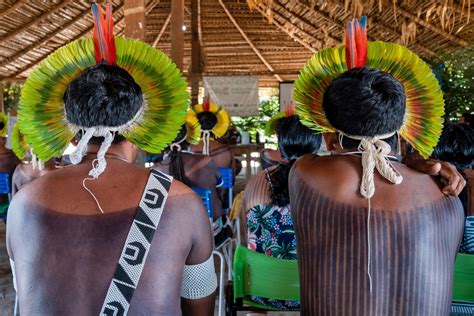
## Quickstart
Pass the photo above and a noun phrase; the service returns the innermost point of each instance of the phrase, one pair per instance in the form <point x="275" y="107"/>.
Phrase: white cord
<point x="205" y="139"/>
<point x="88" y="190"/>
<point x="368" y="247"/>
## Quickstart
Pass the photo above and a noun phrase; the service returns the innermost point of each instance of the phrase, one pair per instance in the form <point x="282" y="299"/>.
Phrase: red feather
<point x="104" y="43"/>
<point x="206" y="105"/>
<point x="356" y="43"/>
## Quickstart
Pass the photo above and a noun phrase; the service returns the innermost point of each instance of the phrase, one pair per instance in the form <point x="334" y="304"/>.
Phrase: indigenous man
<point x="365" y="245"/>
<point x="115" y="238"/>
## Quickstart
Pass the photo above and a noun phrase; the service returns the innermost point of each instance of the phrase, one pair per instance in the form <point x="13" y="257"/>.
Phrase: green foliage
<point x="11" y="96"/>
<point x="256" y="123"/>
<point x="456" y="73"/>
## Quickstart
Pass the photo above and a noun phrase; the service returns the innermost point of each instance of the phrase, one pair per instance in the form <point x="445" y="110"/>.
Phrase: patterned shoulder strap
<point x="138" y="242"/>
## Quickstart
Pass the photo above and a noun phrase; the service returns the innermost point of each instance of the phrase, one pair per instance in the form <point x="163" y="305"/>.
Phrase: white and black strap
<point x="137" y="245"/>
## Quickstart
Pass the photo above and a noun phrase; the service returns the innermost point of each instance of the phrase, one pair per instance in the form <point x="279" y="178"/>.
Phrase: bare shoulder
<point x="256" y="189"/>
<point x="184" y="201"/>
<point x="338" y="177"/>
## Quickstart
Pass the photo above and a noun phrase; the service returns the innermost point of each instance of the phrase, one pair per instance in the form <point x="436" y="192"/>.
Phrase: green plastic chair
<point x="264" y="276"/>
<point x="463" y="284"/>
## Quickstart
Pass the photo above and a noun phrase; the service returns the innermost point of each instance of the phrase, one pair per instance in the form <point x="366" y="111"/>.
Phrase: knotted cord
<point x="375" y="153"/>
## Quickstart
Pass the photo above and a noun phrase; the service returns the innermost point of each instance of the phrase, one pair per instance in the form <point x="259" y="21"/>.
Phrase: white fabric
<point x="199" y="280"/>
<point x="375" y="154"/>
<point x="205" y="140"/>
<point x="12" y="265"/>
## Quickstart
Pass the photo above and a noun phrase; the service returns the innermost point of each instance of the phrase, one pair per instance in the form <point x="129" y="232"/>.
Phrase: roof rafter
<point x="341" y="25"/>
<point x="432" y="28"/>
<point x="302" y="20"/>
<point x="13" y="8"/>
<point x="257" y="52"/>
<point x="282" y="28"/>
<point x="81" y="34"/>
<point x="35" y="21"/>
<point x="39" y="43"/>
<point x="162" y="31"/>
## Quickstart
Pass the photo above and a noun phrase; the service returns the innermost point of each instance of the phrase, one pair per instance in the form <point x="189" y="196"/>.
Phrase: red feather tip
<point x="104" y="43"/>
<point x="206" y="105"/>
<point x="356" y="43"/>
<point x="289" y="108"/>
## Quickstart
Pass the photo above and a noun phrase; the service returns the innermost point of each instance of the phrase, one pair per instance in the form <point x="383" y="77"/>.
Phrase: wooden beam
<point x="135" y="19"/>
<point x="304" y="21"/>
<point x="43" y="40"/>
<point x="12" y="77"/>
<point x="282" y="28"/>
<point x="162" y="31"/>
<point x="195" y="74"/>
<point x="151" y="6"/>
<point x="257" y="52"/>
<point x="13" y="8"/>
<point x="341" y="25"/>
<point x="24" y="27"/>
<point x="177" y="34"/>
<point x="2" y="106"/>
<point x="432" y="28"/>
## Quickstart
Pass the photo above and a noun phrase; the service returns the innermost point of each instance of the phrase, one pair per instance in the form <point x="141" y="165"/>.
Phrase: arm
<point x="197" y="273"/>
<point x="452" y="180"/>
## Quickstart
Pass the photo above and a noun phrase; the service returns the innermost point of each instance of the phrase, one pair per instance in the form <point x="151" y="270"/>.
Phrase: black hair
<point x="176" y="160"/>
<point x="365" y="102"/>
<point x="294" y="141"/>
<point x="468" y="118"/>
<point x="103" y="95"/>
<point x="456" y="145"/>
<point x="208" y="120"/>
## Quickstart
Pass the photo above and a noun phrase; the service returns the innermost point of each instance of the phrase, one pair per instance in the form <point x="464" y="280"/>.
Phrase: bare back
<point x="202" y="172"/>
<point x="65" y="251"/>
<point x="414" y="235"/>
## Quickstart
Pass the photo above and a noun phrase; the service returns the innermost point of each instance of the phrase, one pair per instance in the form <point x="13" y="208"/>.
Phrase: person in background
<point x="266" y="199"/>
<point x="348" y="207"/>
<point x="105" y="236"/>
<point x="196" y="170"/>
<point x="26" y="171"/>
<point x="456" y="146"/>
<point x="8" y="160"/>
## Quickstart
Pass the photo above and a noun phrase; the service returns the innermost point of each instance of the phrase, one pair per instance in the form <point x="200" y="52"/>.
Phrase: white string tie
<point x="99" y="164"/>
<point x="374" y="156"/>
<point x="206" y="139"/>
<point x="375" y="153"/>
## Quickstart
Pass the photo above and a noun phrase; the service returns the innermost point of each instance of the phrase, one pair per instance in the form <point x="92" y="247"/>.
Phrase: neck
<point x="114" y="152"/>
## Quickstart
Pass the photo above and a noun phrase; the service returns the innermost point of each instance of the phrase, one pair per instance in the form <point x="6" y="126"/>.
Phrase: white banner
<point x="238" y="95"/>
<point x="286" y="94"/>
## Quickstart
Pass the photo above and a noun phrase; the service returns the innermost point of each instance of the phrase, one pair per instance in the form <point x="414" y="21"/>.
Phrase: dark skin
<point x="66" y="251"/>
<point x="202" y="172"/>
<point x="408" y="234"/>
<point x="25" y="173"/>
<point x="470" y="192"/>
<point x="8" y="162"/>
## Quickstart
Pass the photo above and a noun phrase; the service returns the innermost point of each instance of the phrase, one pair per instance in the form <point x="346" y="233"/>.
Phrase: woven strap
<point x="137" y="245"/>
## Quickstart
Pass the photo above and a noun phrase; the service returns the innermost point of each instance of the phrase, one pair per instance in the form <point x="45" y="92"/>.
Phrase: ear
<point x="331" y="141"/>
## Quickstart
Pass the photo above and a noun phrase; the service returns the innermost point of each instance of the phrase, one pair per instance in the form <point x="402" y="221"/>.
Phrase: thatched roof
<point x="273" y="40"/>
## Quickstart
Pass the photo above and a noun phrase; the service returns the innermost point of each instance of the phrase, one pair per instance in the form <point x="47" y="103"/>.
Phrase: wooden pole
<point x="195" y="52"/>
<point x="177" y="33"/>
<point x="135" y="18"/>
<point x="1" y="98"/>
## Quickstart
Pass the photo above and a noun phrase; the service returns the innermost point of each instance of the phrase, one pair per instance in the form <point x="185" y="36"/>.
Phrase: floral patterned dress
<point x="270" y="231"/>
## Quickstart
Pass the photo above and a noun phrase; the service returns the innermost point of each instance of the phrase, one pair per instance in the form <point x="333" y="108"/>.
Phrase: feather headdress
<point x="288" y="111"/>
<point x="3" y="124"/>
<point x="424" y="100"/>
<point x="42" y="116"/>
